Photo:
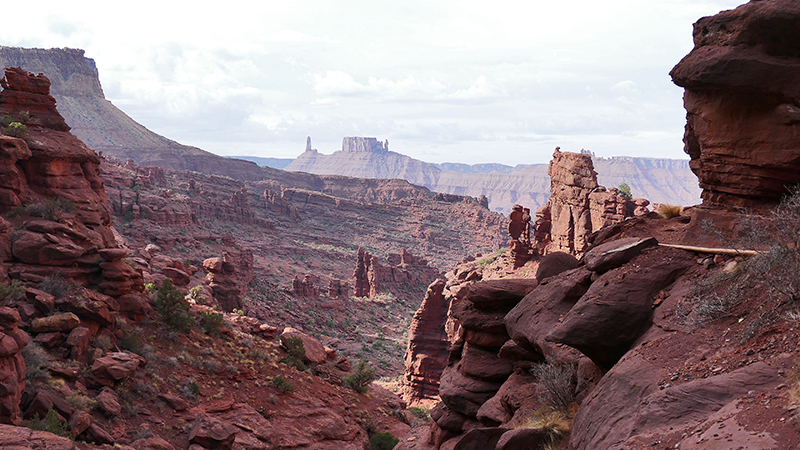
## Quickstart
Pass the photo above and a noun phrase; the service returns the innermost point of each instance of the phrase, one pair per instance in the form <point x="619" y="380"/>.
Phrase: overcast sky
<point x="443" y="80"/>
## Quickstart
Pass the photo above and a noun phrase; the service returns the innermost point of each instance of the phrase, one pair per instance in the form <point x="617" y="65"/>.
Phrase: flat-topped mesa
<point x="742" y="100"/>
<point x="362" y="144"/>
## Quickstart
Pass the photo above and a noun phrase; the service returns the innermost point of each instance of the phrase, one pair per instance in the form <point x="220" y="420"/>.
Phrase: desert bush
<point x="296" y="353"/>
<point x="15" y="129"/>
<point x="486" y="261"/>
<point x="556" y="378"/>
<point x="131" y="341"/>
<point x="11" y="292"/>
<point x="773" y="271"/>
<point x="211" y="323"/>
<point x="383" y="441"/>
<point x="420" y="412"/>
<point x="282" y="384"/>
<point x="191" y="389"/>
<point x="172" y="309"/>
<point x="556" y="425"/>
<point x="51" y="209"/>
<point x="81" y="402"/>
<point x="36" y="361"/>
<point x="359" y="381"/>
<point x="51" y="423"/>
<point x="211" y="366"/>
<point x="56" y="285"/>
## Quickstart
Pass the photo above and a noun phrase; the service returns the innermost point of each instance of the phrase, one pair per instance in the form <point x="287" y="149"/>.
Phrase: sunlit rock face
<point x="742" y="82"/>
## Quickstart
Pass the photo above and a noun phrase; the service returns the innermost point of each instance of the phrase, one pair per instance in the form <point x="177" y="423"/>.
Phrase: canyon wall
<point x="660" y="180"/>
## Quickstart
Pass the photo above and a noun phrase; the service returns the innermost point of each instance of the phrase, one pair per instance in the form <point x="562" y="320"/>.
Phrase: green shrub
<point x="282" y="384"/>
<point x="360" y="380"/>
<point x="296" y="353"/>
<point x="421" y="412"/>
<point x="211" y="323"/>
<point x="383" y="441"/>
<point x="51" y="209"/>
<point x="36" y="361"/>
<point x="172" y="309"/>
<point x="15" y="129"/>
<point x="52" y="423"/>
<point x="11" y="292"/>
<point x="131" y="341"/>
<point x="624" y="190"/>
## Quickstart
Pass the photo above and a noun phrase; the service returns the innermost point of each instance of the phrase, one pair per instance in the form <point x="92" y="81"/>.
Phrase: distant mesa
<point x="667" y="181"/>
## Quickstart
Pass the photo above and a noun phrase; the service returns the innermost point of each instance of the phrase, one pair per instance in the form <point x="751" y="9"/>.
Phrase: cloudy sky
<point x="443" y="80"/>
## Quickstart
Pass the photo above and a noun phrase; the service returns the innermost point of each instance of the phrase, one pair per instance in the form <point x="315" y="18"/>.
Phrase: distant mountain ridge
<point x="659" y="180"/>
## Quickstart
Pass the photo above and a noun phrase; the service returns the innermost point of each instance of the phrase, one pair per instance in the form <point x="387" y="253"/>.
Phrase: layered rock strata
<point x="52" y="179"/>
<point x="742" y="99"/>
<point x="370" y="276"/>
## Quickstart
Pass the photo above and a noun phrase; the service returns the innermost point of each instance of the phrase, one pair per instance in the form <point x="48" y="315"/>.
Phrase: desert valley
<point x="156" y="296"/>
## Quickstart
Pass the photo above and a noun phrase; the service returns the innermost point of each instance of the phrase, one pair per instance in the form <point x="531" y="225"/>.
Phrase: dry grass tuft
<point x="668" y="211"/>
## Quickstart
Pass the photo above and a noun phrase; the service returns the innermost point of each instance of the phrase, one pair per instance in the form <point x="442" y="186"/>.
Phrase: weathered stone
<point x="480" y="439"/>
<point x="613" y="254"/>
<point x="78" y="340"/>
<point x="21" y="438"/>
<point x="57" y="322"/>
<point x="522" y="439"/>
<point x="741" y="94"/>
<point x="108" y="402"/>
<point x="555" y="263"/>
<point x="315" y="351"/>
<point x="463" y="394"/>
<point x="212" y="433"/>
<point x="502" y="293"/>
<point x="79" y="422"/>
<point x="116" y="366"/>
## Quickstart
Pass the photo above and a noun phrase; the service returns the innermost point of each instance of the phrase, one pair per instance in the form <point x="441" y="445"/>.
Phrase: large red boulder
<point x="742" y="82"/>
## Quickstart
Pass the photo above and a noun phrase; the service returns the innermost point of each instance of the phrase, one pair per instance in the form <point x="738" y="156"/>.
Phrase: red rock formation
<point x="578" y="207"/>
<point x="426" y="354"/>
<point x="304" y="287"/>
<point x="742" y="96"/>
<point x="49" y="170"/>
<point x="12" y="366"/>
<point x="370" y="276"/>
<point x="223" y="281"/>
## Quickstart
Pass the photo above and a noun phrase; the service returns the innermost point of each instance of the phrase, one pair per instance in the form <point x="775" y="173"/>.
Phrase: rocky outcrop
<point x="426" y="354"/>
<point x="577" y="207"/>
<point x="371" y="277"/>
<point x="223" y="280"/>
<point x="742" y="96"/>
<point x="12" y="366"/>
<point x="52" y="179"/>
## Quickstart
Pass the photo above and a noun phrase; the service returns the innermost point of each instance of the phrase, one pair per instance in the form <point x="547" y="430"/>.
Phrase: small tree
<point x="383" y="441"/>
<point x="171" y="307"/>
<point x="625" y="190"/>
<point x="360" y="380"/>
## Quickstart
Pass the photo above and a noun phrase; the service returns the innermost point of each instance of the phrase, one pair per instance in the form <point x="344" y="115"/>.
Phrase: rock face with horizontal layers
<point x="742" y="82"/>
<point x="51" y="176"/>
<point x="12" y="366"/>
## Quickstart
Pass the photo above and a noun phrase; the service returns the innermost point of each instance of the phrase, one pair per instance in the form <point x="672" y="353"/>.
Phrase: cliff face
<point x="660" y="180"/>
<point x="103" y="127"/>
<point x="742" y="95"/>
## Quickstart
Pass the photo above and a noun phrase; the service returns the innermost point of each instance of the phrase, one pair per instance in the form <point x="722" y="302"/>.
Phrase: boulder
<point x="79" y="422"/>
<point x="522" y="439"/>
<point x="613" y="254"/>
<point x="502" y="293"/>
<point x="21" y="438"/>
<point x="57" y="322"/>
<point x="315" y="351"/>
<point x="539" y="312"/>
<point x="113" y="367"/>
<point x="152" y="443"/>
<point x="480" y="439"/>
<point x="555" y="263"/>
<point x="484" y="364"/>
<point x="463" y="394"/>
<point x="212" y="433"/>
<point x="108" y="402"/>
<point x="618" y="308"/>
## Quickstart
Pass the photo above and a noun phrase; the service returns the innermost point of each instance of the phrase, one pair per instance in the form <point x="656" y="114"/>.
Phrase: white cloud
<point x="514" y="77"/>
